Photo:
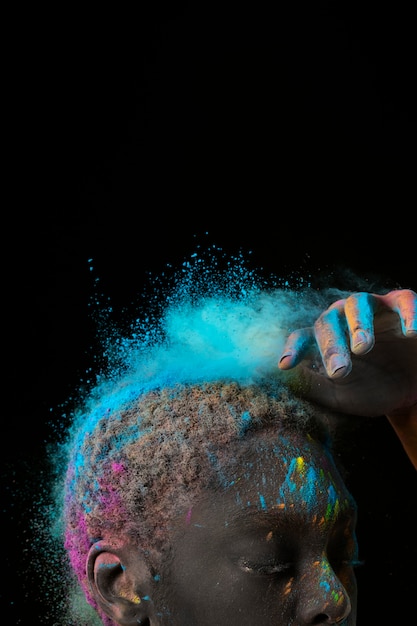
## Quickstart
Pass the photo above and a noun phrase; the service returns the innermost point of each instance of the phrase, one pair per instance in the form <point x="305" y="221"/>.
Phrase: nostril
<point x="323" y="618"/>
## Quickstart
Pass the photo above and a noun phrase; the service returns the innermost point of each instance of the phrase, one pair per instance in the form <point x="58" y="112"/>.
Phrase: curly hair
<point x="139" y="467"/>
<point x="187" y="389"/>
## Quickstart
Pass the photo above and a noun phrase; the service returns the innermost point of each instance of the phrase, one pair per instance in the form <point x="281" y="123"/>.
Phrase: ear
<point x="121" y="583"/>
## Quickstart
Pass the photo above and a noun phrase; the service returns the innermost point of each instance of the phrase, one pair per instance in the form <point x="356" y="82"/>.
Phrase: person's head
<point x="198" y="490"/>
<point x="211" y="503"/>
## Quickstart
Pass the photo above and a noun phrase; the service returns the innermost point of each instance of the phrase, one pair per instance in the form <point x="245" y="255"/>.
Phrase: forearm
<point x="405" y="425"/>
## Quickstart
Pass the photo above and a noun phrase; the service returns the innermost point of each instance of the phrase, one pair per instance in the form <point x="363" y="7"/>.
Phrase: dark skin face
<point x="275" y="545"/>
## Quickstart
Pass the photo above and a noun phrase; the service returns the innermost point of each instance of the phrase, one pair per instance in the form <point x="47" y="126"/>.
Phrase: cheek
<point x="202" y="587"/>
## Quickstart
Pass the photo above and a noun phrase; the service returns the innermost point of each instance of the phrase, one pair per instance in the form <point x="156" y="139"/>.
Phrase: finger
<point x="297" y="346"/>
<point x="404" y="303"/>
<point x="359" y="312"/>
<point x="332" y="338"/>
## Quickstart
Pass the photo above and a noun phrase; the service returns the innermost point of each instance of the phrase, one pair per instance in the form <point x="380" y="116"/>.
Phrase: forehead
<point x="278" y="453"/>
<point x="286" y="476"/>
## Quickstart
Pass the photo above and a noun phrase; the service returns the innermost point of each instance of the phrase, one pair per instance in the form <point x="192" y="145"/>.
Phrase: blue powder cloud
<point x="216" y="323"/>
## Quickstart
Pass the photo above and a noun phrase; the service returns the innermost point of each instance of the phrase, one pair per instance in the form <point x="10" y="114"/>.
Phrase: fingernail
<point x="359" y="341"/>
<point x="286" y="355"/>
<point x="337" y="366"/>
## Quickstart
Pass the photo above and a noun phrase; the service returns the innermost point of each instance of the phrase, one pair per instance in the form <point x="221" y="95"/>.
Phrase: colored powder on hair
<point x="213" y="319"/>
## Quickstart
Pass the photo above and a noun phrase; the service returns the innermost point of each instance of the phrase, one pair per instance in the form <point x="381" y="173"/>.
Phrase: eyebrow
<point x="246" y="516"/>
<point x="277" y="516"/>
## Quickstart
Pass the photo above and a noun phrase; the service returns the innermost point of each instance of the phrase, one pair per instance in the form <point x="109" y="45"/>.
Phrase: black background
<point x="130" y="139"/>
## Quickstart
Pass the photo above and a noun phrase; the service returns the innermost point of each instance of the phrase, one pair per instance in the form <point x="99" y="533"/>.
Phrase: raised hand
<point x="360" y="356"/>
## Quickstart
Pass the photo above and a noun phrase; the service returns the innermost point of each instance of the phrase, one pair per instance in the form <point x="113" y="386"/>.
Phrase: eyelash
<point x="274" y="569"/>
<point x="265" y="569"/>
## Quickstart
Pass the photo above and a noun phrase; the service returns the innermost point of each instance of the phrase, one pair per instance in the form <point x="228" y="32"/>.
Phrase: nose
<point x="323" y="598"/>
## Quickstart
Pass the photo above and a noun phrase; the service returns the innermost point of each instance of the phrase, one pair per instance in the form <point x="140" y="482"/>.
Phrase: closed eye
<point x="264" y="569"/>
